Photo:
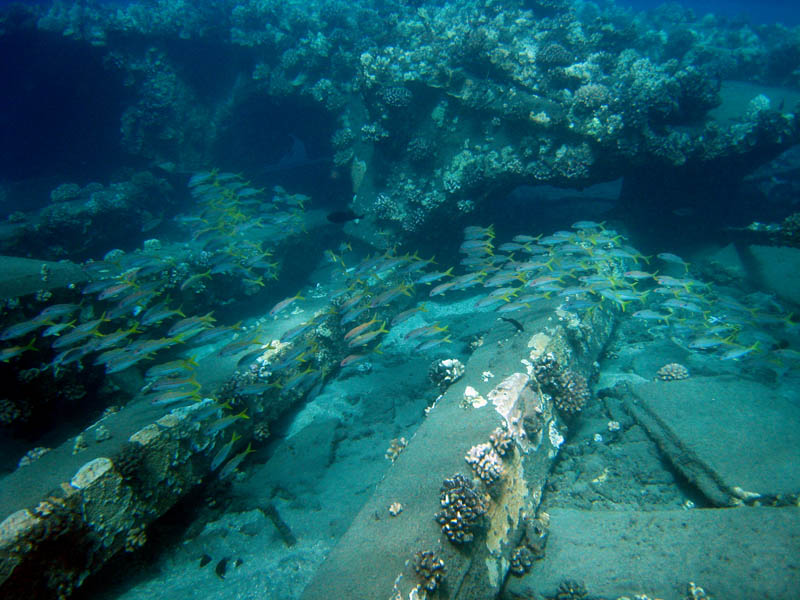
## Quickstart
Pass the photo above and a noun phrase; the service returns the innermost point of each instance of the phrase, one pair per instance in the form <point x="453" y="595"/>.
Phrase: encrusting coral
<point x="430" y="569"/>
<point x="486" y="463"/>
<point x="462" y="507"/>
<point x="568" y="389"/>
<point x="672" y="372"/>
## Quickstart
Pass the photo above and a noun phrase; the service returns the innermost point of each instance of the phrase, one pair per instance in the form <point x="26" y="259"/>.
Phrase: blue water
<point x="773" y="11"/>
<point x="291" y="239"/>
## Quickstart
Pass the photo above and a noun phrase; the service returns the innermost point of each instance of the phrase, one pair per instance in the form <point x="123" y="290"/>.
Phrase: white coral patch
<point x="556" y="439"/>
<point x="473" y="397"/>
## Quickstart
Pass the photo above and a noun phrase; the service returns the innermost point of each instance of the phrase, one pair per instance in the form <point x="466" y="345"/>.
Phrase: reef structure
<point x="467" y="102"/>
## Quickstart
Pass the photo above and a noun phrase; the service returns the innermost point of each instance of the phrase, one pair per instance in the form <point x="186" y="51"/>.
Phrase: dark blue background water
<point x="784" y="11"/>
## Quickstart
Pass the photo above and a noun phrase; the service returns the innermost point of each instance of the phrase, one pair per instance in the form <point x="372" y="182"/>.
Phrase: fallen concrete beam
<point x="23" y="276"/>
<point x="375" y="557"/>
<point x="48" y="549"/>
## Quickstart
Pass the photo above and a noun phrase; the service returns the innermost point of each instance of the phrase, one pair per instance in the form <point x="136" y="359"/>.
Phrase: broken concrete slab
<point x="777" y="270"/>
<point x="725" y="434"/>
<point x="733" y="553"/>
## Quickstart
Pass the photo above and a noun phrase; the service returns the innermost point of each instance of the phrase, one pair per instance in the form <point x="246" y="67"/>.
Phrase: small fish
<point x="638" y="275"/>
<point x="674" y="303"/>
<point x="441" y="288"/>
<point x="580" y="225"/>
<point x="615" y="298"/>
<point x="189" y="323"/>
<point x="512" y="307"/>
<point x="739" y="352"/>
<point x="91" y="326"/>
<point x="359" y="328"/>
<point x="577" y="305"/>
<point x="21" y="329"/>
<point x="343" y="216"/>
<point x="54" y="311"/>
<point x="674" y="259"/>
<point x="227" y="266"/>
<point x="113" y="339"/>
<point x="490" y="300"/>
<point x="483" y="247"/>
<point x="115" y="290"/>
<point x="431" y="277"/>
<point x="176" y="395"/>
<point x="553" y="240"/>
<point x="239" y="346"/>
<point x="254" y="389"/>
<point x="502" y="279"/>
<point x="650" y="315"/>
<point x="351" y="358"/>
<point x="296" y="332"/>
<point x="406" y="314"/>
<point x="473" y="232"/>
<point x="139" y="297"/>
<point x="543" y="280"/>
<point x="573" y="291"/>
<point x="367" y="337"/>
<point x="168" y="384"/>
<point x="511" y="247"/>
<point x="215" y="334"/>
<point x="283" y="304"/>
<point x="201" y="177"/>
<point x="123" y="362"/>
<point x="352" y="301"/>
<point x="625" y="254"/>
<point x="517" y="325"/>
<point x="222" y="455"/>
<point x="194" y="280"/>
<point x="151" y="224"/>
<point x="234" y="463"/>
<point x="57" y="328"/>
<point x="428" y="344"/>
<point x="71" y="338"/>
<point x="225" y="422"/>
<point x="148" y="347"/>
<point x="389" y="295"/>
<point x="706" y="343"/>
<point x="303" y="377"/>
<point x="209" y="410"/>
<point x="159" y="312"/>
<point x="425" y="331"/>
<point x="6" y="354"/>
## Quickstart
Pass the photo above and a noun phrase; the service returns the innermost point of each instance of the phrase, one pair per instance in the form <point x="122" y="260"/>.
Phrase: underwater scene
<point x="399" y="300"/>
